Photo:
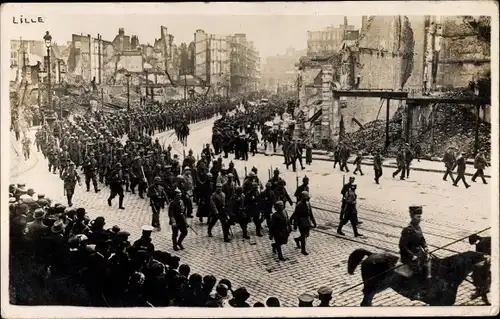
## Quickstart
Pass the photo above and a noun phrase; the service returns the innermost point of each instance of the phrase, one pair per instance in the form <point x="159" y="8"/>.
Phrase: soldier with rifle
<point x="219" y="212"/>
<point x="70" y="178"/>
<point x="158" y="197"/>
<point x="89" y="170"/>
<point x="177" y="215"/>
<point x="116" y="185"/>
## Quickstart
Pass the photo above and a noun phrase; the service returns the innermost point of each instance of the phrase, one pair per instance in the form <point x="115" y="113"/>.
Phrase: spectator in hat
<point x="209" y="282"/>
<point x="258" y="304"/>
<point x="325" y="295"/>
<point x="273" y="302"/>
<point x="37" y="229"/>
<point x="145" y="242"/>
<point x="98" y="234"/>
<point x="240" y="297"/>
<point x="306" y="300"/>
<point x="480" y="164"/>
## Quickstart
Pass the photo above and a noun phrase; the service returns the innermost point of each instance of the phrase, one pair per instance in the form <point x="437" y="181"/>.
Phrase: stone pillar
<point x="335" y="118"/>
<point x="327" y="105"/>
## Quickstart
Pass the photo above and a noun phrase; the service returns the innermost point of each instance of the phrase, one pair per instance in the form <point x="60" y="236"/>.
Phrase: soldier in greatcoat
<point x="178" y="222"/>
<point x="279" y="229"/>
<point x="479" y="164"/>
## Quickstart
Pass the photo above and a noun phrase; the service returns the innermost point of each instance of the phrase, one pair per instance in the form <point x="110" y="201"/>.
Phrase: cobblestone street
<point x="449" y="214"/>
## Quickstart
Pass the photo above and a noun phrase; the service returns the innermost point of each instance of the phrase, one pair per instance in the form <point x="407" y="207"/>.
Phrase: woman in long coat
<point x="280" y="229"/>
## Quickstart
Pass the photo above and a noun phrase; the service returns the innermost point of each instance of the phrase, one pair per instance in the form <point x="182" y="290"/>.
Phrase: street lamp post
<point x="128" y="102"/>
<point x="128" y="91"/>
<point x="48" y="44"/>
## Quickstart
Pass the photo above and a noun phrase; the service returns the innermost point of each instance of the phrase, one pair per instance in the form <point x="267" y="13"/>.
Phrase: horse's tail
<point x="355" y="258"/>
<point x="474" y="238"/>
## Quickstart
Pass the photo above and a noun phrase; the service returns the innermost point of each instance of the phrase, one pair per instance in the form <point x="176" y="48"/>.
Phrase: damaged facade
<point x="418" y="54"/>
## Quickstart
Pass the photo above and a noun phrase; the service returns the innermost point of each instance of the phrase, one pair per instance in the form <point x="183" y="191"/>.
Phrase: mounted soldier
<point x="413" y="247"/>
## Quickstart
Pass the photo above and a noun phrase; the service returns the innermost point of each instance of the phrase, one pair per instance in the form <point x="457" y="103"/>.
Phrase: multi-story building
<point x="24" y="49"/>
<point x="245" y="64"/>
<point x="280" y="70"/>
<point x="327" y="41"/>
<point x="212" y="57"/>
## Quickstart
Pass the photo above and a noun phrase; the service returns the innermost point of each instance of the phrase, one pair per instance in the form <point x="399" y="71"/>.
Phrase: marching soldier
<point x="252" y="207"/>
<point x="357" y="163"/>
<point x="350" y="213"/>
<point x="377" y="166"/>
<point x="116" y="186"/>
<point x="26" y="147"/>
<point x="408" y="158"/>
<point x="449" y="161"/>
<point x="460" y="164"/>
<point x="303" y="218"/>
<point x="336" y="157"/>
<point x="177" y="215"/>
<point x="479" y="164"/>
<point x="267" y="201"/>
<point x="70" y="178"/>
<point x="344" y="157"/>
<point x="219" y="212"/>
<point x="238" y="210"/>
<point x="157" y="196"/>
<point x="89" y="170"/>
<point x="279" y="229"/>
<point x="400" y="159"/>
<point x="301" y="188"/>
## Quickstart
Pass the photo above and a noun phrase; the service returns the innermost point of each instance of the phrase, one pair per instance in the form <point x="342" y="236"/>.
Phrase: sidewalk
<point x="433" y="165"/>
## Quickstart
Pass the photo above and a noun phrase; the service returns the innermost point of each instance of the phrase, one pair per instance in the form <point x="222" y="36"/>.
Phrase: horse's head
<point x="461" y="265"/>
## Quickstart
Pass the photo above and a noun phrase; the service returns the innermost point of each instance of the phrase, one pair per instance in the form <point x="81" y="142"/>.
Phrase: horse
<point x="379" y="272"/>
<point x="481" y="275"/>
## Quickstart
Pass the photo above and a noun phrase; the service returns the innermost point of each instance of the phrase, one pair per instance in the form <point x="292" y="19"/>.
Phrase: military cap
<point x="157" y="179"/>
<point x="276" y="170"/>
<point x="306" y="298"/>
<point x="115" y="229"/>
<point x="254" y="169"/>
<point x="241" y="293"/>
<point x="305" y="178"/>
<point x="168" y="166"/>
<point x="218" y="185"/>
<point x="40" y="195"/>
<point x="230" y="175"/>
<point x="305" y="194"/>
<point x="325" y="291"/>
<point x="279" y="204"/>
<point x="209" y="174"/>
<point x="39" y="213"/>
<point x="251" y="174"/>
<point x="137" y="158"/>
<point x="415" y="210"/>
<point x="12" y="200"/>
<point x="147" y="228"/>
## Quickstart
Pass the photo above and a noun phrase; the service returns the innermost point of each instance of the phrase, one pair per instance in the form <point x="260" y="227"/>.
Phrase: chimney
<point x="364" y="22"/>
<point x="121" y="31"/>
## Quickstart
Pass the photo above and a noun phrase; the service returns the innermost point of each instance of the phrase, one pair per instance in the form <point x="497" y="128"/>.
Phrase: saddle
<point x="404" y="270"/>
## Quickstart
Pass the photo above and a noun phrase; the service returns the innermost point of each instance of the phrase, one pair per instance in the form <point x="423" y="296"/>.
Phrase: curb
<point x="430" y="170"/>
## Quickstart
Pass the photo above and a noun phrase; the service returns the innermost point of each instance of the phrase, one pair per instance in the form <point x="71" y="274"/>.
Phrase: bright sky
<point x="271" y="34"/>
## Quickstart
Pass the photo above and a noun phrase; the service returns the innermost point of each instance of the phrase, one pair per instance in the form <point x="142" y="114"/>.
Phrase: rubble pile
<point x="372" y="137"/>
<point x="455" y="126"/>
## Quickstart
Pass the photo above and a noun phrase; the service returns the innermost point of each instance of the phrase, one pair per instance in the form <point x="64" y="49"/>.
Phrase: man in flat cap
<point x="325" y="295"/>
<point x="412" y="244"/>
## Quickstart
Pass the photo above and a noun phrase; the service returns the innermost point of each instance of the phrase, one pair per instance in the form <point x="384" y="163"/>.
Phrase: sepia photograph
<point x="162" y="159"/>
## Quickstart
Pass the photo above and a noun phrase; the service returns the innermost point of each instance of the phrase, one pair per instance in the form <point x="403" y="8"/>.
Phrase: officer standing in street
<point x="157" y="196"/>
<point x="116" y="186"/>
<point x="90" y="167"/>
<point x="70" y="178"/>
<point x="177" y="215"/>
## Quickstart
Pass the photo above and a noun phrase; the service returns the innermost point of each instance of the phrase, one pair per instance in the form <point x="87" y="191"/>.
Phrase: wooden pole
<point x="387" y="109"/>
<point x="476" y="137"/>
<point x="432" y="127"/>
